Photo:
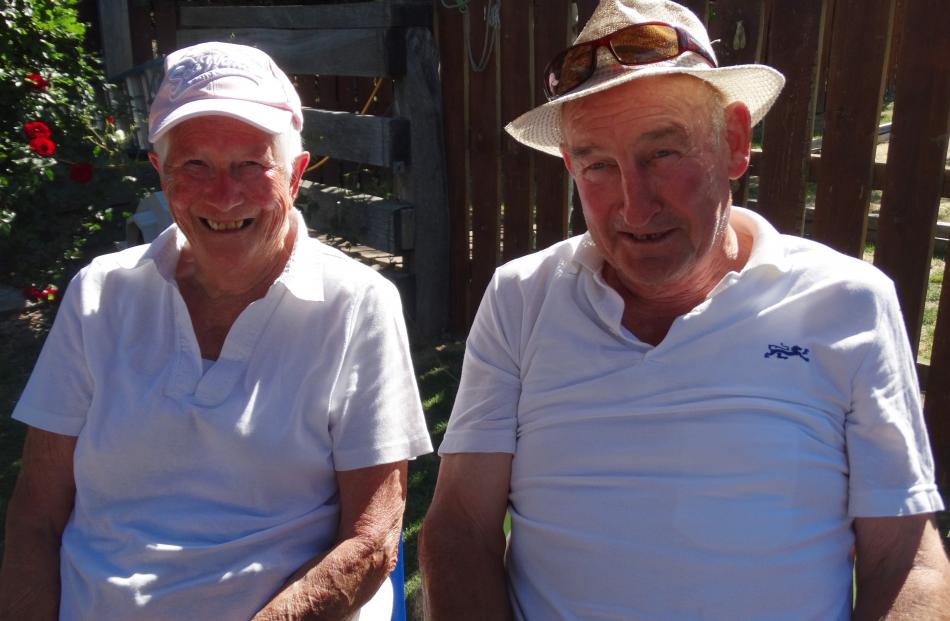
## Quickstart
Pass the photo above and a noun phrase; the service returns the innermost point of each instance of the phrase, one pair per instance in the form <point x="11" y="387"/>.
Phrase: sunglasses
<point x="639" y="44"/>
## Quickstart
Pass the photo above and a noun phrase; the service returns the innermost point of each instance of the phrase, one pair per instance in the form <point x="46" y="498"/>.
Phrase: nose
<point x="224" y="191"/>
<point x="640" y="201"/>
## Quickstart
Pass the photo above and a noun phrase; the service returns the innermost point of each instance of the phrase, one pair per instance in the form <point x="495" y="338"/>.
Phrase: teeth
<point x="648" y="237"/>
<point x="226" y="226"/>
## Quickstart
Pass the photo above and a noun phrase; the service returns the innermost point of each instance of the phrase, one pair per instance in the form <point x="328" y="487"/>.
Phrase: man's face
<point x="652" y="169"/>
<point x="229" y="194"/>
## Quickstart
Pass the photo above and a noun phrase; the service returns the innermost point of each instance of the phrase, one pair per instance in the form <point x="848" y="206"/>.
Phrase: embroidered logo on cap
<point x="784" y="352"/>
<point x="190" y="72"/>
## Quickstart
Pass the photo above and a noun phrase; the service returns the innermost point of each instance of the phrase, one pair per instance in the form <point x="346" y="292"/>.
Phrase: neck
<point x="649" y="311"/>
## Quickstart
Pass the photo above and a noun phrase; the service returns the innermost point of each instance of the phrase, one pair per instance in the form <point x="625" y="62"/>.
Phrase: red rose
<point x="43" y="146"/>
<point x="36" y="129"/>
<point x="81" y="172"/>
<point x="110" y="120"/>
<point x="36" y="81"/>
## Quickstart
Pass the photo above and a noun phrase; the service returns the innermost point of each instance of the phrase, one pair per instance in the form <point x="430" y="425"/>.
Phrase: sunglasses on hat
<point x="639" y="44"/>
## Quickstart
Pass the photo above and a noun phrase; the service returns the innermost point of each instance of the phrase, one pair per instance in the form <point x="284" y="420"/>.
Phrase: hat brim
<point x="757" y="86"/>
<point x="264" y="117"/>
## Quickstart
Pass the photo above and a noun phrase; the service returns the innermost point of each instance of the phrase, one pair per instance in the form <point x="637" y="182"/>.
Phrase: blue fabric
<point x="397" y="577"/>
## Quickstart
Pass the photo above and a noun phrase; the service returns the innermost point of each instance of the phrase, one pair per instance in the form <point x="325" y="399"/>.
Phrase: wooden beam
<point x="515" y="157"/>
<point x="166" y="19"/>
<point x="376" y="140"/>
<point x="861" y="35"/>
<point x="794" y="49"/>
<point x="937" y="404"/>
<point x="116" y="38"/>
<point x="382" y="224"/>
<point x="377" y="14"/>
<point x="917" y="152"/>
<point x="366" y="52"/>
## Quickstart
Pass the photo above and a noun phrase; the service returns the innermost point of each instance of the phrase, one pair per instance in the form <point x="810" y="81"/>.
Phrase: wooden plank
<point x="577" y="224"/>
<point x="453" y="90"/>
<point x="738" y="24"/>
<point x="337" y="16"/>
<point x="794" y="42"/>
<point x="483" y="149"/>
<point x="166" y="24"/>
<point x="140" y="30"/>
<point x="585" y="8"/>
<point x="515" y="158"/>
<point x="376" y="140"/>
<point x="306" y="86"/>
<point x="355" y="52"/>
<point x="551" y="30"/>
<point x="360" y="218"/>
<point x="423" y="184"/>
<point x="116" y="38"/>
<point x="861" y="34"/>
<point x="937" y="404"/>
<point x="917" y="152"/>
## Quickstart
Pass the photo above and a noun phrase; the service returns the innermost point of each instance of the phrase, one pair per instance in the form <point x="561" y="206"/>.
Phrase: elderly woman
<point x="219" y="421"/>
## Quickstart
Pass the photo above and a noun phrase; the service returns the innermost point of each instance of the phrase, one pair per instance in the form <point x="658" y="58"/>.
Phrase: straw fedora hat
<point x="757" y="86"/>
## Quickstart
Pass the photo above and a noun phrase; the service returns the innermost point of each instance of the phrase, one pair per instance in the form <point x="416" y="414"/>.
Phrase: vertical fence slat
<point x="738" y="26"/>
<point x="937" y="405"/>
<point x="550" y="37"/>
<point x="140" y="27"/>
<point x="794" y="40"/>
<point x="453" y="64"/>
<point x="483" y="156"/>
<point x="861" y="33"/>
<point x="699" y="7"/>
<point x="515" y="99"/>
<point x="585" y="8"/>
<point x="917" y="152"/>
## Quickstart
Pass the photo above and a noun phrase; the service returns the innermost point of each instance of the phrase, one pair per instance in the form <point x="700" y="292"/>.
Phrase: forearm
<point x="923" y="596"/>
<point x="29" y="580"/>
<point x="463" y="574"/>
<point x="333" y="585"/>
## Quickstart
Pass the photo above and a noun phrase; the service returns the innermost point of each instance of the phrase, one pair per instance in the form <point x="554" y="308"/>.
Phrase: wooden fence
<point x="839" y="56"/>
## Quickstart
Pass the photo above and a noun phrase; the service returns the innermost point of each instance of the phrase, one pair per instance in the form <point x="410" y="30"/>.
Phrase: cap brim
<point x="757" y="86"/>
<point x="265" y="118"/>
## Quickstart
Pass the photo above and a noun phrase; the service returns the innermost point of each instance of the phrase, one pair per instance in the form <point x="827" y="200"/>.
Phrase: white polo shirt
<point x="198" y="492"/>
<point x="714" y="476"/>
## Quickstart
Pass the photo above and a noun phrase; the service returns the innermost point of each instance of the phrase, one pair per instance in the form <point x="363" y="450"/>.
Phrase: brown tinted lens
<point x="575" y="66"/>
<point x="643" y="44"/>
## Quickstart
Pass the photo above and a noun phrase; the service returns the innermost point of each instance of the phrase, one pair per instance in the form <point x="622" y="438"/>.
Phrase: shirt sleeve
<point x="889" y="456"/>
<point x="375" y="414"/>
<point x="485" y="415"/>
<point x="59" y="391"/>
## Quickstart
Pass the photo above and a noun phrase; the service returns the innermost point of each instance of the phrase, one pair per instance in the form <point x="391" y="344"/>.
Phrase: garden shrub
<point x="62" y="154"/>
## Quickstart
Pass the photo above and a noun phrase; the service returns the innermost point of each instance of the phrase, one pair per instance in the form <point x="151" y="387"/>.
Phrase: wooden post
<point x="917" y="152"/>
<point x="937" y="404"/>
<point x="483" y="156"/>
<point x="423" y="183"/>
<point x="116" y="38"/>
<point x="515" y="99"/>
<point x="794" y="48"/>
<point x="166" y="22"/>
<point x="861" y="35"/>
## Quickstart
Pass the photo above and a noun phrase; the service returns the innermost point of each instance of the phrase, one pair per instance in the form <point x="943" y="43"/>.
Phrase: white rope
<point x="492" y="25"/>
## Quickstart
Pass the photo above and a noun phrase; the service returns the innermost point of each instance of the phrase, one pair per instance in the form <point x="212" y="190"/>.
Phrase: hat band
<point x="639" y="44"/>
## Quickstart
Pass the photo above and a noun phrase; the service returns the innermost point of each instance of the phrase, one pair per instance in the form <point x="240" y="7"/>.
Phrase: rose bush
<point x="63" y="157"/>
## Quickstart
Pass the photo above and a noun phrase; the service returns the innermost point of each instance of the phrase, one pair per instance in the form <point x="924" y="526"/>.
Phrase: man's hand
<point x="336" y="584"/>
<point x="462" y="544"/>
<point x="39" y="509"/>
<point x="902" y="570"/>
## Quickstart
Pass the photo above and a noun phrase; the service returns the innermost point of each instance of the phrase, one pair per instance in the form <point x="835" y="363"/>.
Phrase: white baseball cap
<point x="225" y="79"/>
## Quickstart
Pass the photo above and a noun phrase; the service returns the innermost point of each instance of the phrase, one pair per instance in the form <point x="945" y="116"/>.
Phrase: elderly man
<point x="219" y="421"/>
<point x="686" y="414"/>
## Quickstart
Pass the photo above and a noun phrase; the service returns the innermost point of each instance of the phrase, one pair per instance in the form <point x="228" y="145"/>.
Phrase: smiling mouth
<point x="650" y="237"/>
<point x="230" y="225"/>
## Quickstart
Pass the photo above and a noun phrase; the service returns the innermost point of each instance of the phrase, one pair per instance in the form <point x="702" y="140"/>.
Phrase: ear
<point x="298" y="168"/>
<point x="153" y="158"/>
<point x="738" y="137"/>
<point x="567" y="160"/>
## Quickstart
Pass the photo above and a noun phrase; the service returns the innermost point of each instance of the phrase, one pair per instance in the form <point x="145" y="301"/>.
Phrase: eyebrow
<point x="655" y="135"/>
